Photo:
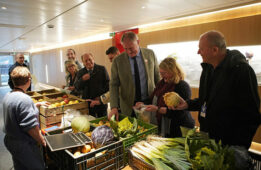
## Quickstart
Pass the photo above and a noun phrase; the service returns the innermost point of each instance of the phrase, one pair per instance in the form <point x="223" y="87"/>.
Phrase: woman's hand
<point x="151" y="108"/>
<point x="162" y="110"/>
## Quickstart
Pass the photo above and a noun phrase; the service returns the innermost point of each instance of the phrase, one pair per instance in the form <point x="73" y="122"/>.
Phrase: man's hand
<point x="114" y="111"/>
<point x="71" y="88"/>
<point x="86" y="76"/>
<point x="93" y="102"/>
<point x="138" y="105"/>
<point x="182" y="105"/>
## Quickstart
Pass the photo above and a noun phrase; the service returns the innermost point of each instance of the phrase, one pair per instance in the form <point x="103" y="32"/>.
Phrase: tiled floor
<point x="6" y="162"/>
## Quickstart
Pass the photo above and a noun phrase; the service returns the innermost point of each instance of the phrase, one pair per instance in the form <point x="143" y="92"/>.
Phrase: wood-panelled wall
<point x="52" y="59"/>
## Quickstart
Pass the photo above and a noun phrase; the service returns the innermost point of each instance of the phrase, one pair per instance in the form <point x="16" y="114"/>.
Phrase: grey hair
<point x="130" y="36"/>
<point x="215" y="38"/>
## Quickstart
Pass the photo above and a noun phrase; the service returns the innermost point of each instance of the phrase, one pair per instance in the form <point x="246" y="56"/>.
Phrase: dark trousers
<point x="25" y="155"/>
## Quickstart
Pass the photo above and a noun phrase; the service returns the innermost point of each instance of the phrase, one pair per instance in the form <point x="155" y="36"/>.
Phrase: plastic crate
<point x="111" y="159"/>
<point x="128" y="142"/>
<point x="256" y="159"/>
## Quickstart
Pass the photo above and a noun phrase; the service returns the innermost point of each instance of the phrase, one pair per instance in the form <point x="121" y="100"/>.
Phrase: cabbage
<point x="102" y="135"/>
<point x="80" y="124"/>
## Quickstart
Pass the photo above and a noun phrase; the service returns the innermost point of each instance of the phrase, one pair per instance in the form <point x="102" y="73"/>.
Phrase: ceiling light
<point x="101" y="20"/>
<point x="50" y="26"/>
<point x="3" y="7"/>
<point x="143" y="7"/>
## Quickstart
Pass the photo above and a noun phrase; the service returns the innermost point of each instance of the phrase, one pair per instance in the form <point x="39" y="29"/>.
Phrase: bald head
<point x="215" y="38"/>
<point x="19" y="58"/>
<point x="212" y="47"/>
<point x="88" y="60"/>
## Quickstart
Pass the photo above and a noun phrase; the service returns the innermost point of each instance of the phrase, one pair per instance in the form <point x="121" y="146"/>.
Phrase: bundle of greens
<point x="205" y="153"/>
<point x="163" y="153"/>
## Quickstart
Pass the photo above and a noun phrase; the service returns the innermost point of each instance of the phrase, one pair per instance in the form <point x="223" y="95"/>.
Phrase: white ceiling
<point x="23" y="25"/>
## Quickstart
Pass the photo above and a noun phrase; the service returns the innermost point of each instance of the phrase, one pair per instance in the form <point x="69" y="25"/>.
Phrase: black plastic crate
<point x="256" y="159"/>
<point x="111" y="159"/>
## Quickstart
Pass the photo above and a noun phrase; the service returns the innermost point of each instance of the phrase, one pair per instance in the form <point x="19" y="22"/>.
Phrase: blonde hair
<point x="70" y="62"/>
<point x="170" y="65"/>
<point x="20" y="76"/>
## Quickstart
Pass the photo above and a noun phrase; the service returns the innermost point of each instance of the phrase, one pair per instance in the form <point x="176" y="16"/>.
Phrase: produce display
<point x="171" y="99"/>
<point x="63" y="101"/>
<point x="195" y="151"/>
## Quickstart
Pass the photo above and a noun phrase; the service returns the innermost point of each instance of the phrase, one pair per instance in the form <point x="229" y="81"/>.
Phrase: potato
<point x="86" y="149"/>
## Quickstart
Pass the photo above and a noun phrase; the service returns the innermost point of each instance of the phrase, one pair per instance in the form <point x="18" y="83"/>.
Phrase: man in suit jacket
<point x="123" y="82"/>
<point x="93" y="81"/>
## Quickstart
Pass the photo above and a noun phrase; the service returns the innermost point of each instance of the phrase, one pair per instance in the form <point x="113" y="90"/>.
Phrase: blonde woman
<point x="169" y="121"/>
<point x="71" y="70"/>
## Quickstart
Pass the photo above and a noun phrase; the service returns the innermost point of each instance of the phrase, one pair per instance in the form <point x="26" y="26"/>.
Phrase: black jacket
<point x="230" y="92"/>
<point x="97" y="85"/>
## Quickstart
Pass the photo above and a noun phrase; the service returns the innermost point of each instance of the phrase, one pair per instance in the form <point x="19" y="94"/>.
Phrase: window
<point x="186" y="55"/>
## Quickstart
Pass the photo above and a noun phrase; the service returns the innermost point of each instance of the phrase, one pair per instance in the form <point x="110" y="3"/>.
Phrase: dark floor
<point x="5" y="157"/>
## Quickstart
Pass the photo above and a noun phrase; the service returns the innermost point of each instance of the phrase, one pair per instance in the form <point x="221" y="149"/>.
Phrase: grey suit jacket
<point x="122" y="86"/>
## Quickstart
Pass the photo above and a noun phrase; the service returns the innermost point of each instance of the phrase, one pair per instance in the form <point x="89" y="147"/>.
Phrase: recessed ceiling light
<point x="143" y="7"/>
<point x="3" y="7"/>
<point x="50" y="26"/>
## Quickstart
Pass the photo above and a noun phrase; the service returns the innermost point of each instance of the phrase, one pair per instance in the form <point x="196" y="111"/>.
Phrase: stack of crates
<point x="50" y="116"/>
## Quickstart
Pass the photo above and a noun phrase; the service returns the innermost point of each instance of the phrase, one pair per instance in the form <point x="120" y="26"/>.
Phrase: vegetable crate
<point x="128" y="142"/>
<point x="256" y="159"/>
<point x="48" y="91"/>
<point x="33" y="94"/>
<point x="137" y="163"/>
<point x="45" y="111"/>
<point x="112" y="157"/>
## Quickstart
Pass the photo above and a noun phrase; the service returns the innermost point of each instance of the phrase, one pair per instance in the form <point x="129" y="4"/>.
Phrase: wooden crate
<point x="33" y="94"/>
<point x="45" y="111"/>
<point x="43" y="126"/>
<point x="47" y="120"/>
<point x="48" y="91"/>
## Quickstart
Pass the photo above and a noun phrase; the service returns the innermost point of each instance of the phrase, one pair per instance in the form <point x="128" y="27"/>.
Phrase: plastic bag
<point x="142" y="114"/>
<point x="69" y="114"/>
